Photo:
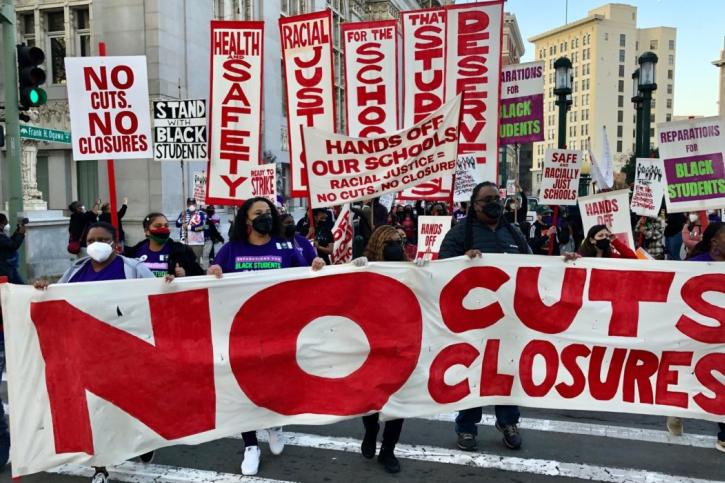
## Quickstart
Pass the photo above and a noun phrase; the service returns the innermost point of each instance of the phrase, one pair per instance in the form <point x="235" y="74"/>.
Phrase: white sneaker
<point x="250" y="464"/>
<point x="720" y="446"/>
<point x="276" y="440"/>
<point x="674" y="425"/>
<point x="100" y="478"/>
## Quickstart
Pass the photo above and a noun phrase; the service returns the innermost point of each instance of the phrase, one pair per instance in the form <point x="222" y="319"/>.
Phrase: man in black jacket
<point x="9" y="246"/>
<point x="485" y="230"/>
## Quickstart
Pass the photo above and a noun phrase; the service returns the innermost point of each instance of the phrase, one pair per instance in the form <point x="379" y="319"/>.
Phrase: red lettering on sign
<point x="692" y="294"/>
<point x="457" y="354"/>
<point x="492" y="382"/>
<point x="545" y="349"/>
<point x="548" y="319"/>
<point x="704" y="372"/>
<point x="455" y="315"/>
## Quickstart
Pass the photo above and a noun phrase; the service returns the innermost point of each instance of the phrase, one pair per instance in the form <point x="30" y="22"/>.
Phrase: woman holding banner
<point x="255" y="245"/>
<point x="301" y="244"/>
<point x="599" y="243"/>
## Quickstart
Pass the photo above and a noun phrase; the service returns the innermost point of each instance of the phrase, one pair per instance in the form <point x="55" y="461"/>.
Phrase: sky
<point x="700" y="32"/>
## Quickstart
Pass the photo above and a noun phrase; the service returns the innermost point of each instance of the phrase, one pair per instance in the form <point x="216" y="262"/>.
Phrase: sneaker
<point x="388" y="460"/>
<point x="674" y="425"/>
<point x="147" y="457"/>
<point x="467" y="442"/>
<point x="250" y="464"/>
<point x="369" y="444"/>
<point x="720" y="446"/>
<point x="100" y="477"/>
<point x="276" y="440"/>
<point x="511" y="436"/>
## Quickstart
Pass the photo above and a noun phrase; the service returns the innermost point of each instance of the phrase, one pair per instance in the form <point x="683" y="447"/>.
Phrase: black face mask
<point x="493" y="210"/>
<point x="393" y="252"/>
<point x="603" y="244"/>
<point x="290" y="231"/>
<point x="263" y="224"/>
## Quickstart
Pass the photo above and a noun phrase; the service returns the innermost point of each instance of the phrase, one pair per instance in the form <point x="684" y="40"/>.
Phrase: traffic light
<point x="30" y="76"/>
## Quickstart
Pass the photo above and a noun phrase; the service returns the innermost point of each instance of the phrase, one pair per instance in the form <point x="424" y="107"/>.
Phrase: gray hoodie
<point x="131" y="267"/>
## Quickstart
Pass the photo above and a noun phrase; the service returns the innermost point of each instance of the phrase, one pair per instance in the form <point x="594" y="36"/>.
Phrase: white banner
<point x="343" y="169"/>
<point x="473" y="64"/>
<point x="180" y="130"/>
<point x="99" y="372"/>
<point x="199" y="187"/>
<point x="371" y="77"/>
<point x="692" y="152"/>
<point x="235" y="115"/>
<point x="424" y="85"/>
<point x="560" y="179"/>
<point x="466" y="178"/>
<point x="343" y="233"/>
<point x="108" y="99"/>
<point x="610" y="208"/>
<point x="431" y="232"/>
<point x="309" y="77"/>
<point x="649" y="187"/>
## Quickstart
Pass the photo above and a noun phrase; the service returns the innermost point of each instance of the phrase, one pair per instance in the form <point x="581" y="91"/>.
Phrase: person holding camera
<point x="9" y="246"/>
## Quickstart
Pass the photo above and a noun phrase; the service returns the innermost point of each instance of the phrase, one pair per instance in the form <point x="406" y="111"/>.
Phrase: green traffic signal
<point x="30" y="76"/>
<point x="34" y="96"/>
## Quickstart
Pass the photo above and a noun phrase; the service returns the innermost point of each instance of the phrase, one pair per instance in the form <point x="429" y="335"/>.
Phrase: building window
<point x="83" y="32"/>
<point x="620" y="101"/>
<point x="621" y="86"/>
<point x="55" y="25"/>
<point x="620" y="116"/>
<point x="620" y="130"/>
<point x="651" y="132"/>
<point x="26" y="24"/>
<point x="606" y="36"/>
<point x="619" y="146"/>
<point x="622" y="40"/>
<point x="653" y="44"/>
<point x="654" y="103"/>
<point x="669" y="103"/>
<point x="672" y="45"/>
<point x="621" y="71"/>
<point x="669" y="74"/>
<point x="670" y="60"/>
<point x="669" y="88"/>
<point x="621" y="55"/>
<point x="668" y="117"/>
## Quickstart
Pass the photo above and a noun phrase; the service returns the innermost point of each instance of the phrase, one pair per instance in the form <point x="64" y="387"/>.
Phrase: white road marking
<point x="607" y="431"/>
<point x="132" y="472"/>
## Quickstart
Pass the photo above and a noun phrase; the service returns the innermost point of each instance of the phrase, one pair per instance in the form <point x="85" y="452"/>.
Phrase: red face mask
<point x="164" y="230"/>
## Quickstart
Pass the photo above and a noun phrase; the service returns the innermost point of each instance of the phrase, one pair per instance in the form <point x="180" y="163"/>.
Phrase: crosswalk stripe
<point x="131" y="472"/>
<point x="431" y="454"/>
<point x="607" y="431"/>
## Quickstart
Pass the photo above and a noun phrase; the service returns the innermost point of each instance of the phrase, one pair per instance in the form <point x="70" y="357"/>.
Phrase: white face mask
<point x="6" y="229"/>
<point x="192" y="208"/>
<point x="694" y="217"/>
<point x="99" y="251"/>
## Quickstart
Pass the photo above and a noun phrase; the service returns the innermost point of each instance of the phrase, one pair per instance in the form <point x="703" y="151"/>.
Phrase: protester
<point x="395" y="215"/>
<point x="300" y="243"/>
<point x="673" y="234"/>
<point x="9" y="246"/>
<point x="323" y="238"/>
<point x="80" y="220"/>
<point x="438" y="209"/>
<point x="599" y="243"/>
<point x="565" y="237"/>
<point x="256" y="245"/>
<point x="691" y="234"/>
<point x="105" y="217"/>
<point x="541" y="232"/>
<point x="162" y="255"/>
<point x="710" y="249"/>
<point x="380" y="213"/>
<point x="191" y="224"/>
<point x="485" y="230"/>
<point x="213" y="239"/>
<point x="410" y="224"/>
<point x="653" y="233"/>
<point x="386" y="245"/>
<point x="517" y="207"/>
<point x="103" y="263"/>
<point x="460" y="212"/>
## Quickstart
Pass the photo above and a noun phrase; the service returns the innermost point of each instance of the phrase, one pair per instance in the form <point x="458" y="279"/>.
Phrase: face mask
<point x="694" y="217"/>
<point x="6" y="229"/>
<point x="603" y="244"/>
<point x="290" y="231"/>
<point x="492" y="210"/>
<point x="83" y="209"/>
<point x="160" y="235"/>
<point x="393" y="252"/>
<point x="192" y="208"/>
<point x="99" y="251"/>
<point x="263" y="224"/>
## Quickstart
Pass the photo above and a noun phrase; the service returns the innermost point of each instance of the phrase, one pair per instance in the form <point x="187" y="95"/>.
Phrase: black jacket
<point x="9" y="246"/>
<point x="106" y="218"/>
<point x="79" y="223"/>
<point x="180" y="253"/>
<point x="506" y="238"/>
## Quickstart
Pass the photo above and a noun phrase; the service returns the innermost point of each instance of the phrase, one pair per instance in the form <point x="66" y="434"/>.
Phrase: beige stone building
<point x="603" y="47"/>
<point x="720" y="64"/>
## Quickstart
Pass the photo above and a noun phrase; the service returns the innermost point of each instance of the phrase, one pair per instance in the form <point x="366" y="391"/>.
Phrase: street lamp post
<point x="637" y="101"/>
<point x="647" y="67"/>
<point x="562" y="88"/>
<point x="585" y="178"/>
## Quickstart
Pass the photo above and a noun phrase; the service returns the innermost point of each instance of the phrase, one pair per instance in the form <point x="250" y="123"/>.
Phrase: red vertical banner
<point x="424" y="84"/>
<point x="371" y="73"/>
<point x="309" y="76"/>
<point x="235" y="109"/>
<point x="473" y="64"/>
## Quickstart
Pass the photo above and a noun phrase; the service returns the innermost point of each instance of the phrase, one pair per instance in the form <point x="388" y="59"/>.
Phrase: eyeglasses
<point x="486" y="200"/>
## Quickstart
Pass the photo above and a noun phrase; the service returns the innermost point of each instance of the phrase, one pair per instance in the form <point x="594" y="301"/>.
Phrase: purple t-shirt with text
<point x="157" y="262"/>
<point x="244" y="257"/>
<point x="114" y="271"/>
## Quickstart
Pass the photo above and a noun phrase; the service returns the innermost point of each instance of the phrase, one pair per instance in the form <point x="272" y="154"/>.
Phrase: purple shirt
<point x="157" y="262"/>
<point x="702" y="257"/>
<point x="244" y="257"/>
<point x="305" y="249"/>
<point x="113" y="271"/>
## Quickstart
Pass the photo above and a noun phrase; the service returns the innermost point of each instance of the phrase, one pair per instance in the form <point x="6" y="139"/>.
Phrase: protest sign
<point x="199" y="186"/>
<point x="371" y="77"/>
<point x="522" y="103"/>
<point x="431" y="232"/>
<point x="692" y="153"/>
<point x="180" y="130"/>
<point x="649" y="187"/>
<point x="309" y="78"/>
<point x="610" y="208"/>
<point x="510" y="187"/>
<point x="108" y="99"/>
<point x="424" y="84"/>
<point x="344" y="169"/>
<point x="262" y="182"/>
<point x="387" y="200"/>
<point x="560" y="180"/>
<point x="235" y="113"/>
<point x="94" y="380"/>
<point x="343" y="233"/>
<point x="466" y="178"/>
<point x="474" y="32"/>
